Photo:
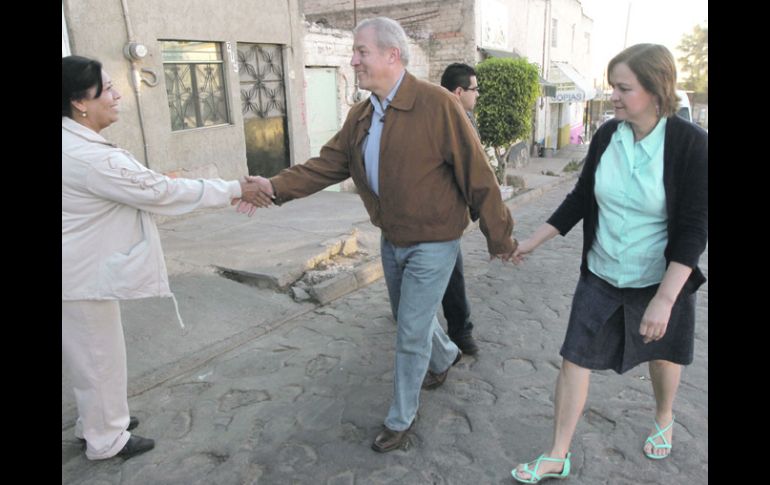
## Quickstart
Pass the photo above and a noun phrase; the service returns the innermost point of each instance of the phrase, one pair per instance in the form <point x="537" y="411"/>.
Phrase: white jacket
<point x="110" y="244"/>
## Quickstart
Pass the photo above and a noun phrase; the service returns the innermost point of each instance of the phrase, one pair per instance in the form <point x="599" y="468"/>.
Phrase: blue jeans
<point x="417" y="277"/>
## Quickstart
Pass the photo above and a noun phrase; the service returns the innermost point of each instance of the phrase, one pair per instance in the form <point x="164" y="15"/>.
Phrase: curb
<point x="345" y="244"/>
<point x="343" y="284"/>
<point x="532" y="194"/>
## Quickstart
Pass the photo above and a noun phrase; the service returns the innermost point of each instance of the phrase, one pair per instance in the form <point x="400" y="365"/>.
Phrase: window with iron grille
<point x="195" y="84"/>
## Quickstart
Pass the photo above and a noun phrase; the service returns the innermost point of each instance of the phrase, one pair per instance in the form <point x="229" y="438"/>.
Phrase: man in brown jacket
<point x="418" y="166"/>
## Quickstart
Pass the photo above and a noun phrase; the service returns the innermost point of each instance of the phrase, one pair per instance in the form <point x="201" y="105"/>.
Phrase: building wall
<point x="519" y="26"/>
<point x="571" y="47"/>
<point x="65" y="40"/>
<point x="537" y="31"/>
<point x="97" y="29"/>
<point x="507" y="25"/>
<point x="331" y="47"/>
<point x="443" y="29"/>
<point x="573" y="50"/>
<point x="451" y="31"/>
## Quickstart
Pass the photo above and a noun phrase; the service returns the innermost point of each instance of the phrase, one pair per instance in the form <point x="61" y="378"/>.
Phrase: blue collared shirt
<point x="371" y="145"/>
<point x="631" y="235"/>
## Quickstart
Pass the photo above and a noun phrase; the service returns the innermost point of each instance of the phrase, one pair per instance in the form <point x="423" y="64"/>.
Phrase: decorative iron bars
<point x="260" y="68"/>
<point x="263" y="103"/>
<point x="194" y="84"/>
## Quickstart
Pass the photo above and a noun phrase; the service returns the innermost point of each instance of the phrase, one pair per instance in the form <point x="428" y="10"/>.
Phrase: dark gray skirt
<point x="603" y="329"/>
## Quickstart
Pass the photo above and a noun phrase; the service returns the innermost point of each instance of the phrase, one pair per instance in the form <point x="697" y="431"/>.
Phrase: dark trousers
<point x="455" y="304"/>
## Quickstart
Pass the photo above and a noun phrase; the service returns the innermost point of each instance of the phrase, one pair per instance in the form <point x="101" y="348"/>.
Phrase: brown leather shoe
<point x="389" y="440"/>
<point x="432" y="381"/>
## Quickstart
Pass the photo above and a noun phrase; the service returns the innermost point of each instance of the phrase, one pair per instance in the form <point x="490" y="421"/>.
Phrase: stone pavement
<point x="300" y="402"/>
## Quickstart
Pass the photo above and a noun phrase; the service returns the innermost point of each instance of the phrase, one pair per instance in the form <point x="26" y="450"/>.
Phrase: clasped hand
<point x="256" y="192"/>
<point x="507" y="256"/>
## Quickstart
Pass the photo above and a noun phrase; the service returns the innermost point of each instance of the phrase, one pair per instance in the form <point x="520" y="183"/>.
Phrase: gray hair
<point x="388" y="33"/>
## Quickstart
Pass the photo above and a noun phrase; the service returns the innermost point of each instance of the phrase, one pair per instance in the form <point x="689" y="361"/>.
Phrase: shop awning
<point x="571" y="86"/>
<point x="548" y="88"/>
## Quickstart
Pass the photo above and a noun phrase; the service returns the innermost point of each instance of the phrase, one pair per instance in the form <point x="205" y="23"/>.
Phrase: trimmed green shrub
<point x="508" y="91"/>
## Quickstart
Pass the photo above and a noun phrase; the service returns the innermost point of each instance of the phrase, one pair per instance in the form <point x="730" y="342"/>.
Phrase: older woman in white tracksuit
<point x="111" y="251"/>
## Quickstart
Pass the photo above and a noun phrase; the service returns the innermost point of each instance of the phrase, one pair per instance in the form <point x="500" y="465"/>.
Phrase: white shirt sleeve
<point x="122" y="179"/>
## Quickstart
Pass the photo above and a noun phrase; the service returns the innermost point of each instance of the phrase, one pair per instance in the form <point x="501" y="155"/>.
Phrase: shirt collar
<point x="652" y="142"/>
<point x="649" y="143"/>
<point x="389" y="98"/>
<point x="88" y="134"/>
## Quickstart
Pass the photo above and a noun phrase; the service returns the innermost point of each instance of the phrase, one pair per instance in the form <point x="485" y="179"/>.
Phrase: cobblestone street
<point x="302" y="403"/>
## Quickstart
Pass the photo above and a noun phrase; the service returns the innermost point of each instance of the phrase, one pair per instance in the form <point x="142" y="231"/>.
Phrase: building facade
<point x="569" y="57"/>
<point x="209" y="88"/>
<point x="224" y="89"/>
<point x="554" y="34"/>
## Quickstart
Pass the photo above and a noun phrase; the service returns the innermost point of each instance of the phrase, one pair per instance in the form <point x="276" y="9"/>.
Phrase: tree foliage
<point x="695" y="61"/>
<point x="504" y="110"/>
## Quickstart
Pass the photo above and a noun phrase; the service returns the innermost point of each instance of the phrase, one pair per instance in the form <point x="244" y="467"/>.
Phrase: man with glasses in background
<point x="460" y="80"/>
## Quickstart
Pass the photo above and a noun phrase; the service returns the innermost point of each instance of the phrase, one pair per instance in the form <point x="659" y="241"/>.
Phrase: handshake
<point x="256" y="192"/>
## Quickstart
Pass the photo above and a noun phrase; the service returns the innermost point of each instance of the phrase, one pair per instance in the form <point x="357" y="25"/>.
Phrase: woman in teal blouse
<point x="643" y="200"/>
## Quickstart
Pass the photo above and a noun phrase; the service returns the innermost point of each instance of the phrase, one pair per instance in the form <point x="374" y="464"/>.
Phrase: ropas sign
<point x="569" y="96"/>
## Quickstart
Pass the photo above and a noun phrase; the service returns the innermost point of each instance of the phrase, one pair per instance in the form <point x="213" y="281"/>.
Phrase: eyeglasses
<point x="475" y="88"/>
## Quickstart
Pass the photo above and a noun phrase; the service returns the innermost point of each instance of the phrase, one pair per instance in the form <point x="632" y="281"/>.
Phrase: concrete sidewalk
<point x="237" y="278"/>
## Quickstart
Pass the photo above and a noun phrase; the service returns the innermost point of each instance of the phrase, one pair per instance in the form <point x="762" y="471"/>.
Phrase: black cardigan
<point x="685" y="179"/>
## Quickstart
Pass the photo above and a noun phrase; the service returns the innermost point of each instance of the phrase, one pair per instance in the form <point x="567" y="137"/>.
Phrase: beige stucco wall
<point x="569" y="13"/>
<point x="97" y="29"/>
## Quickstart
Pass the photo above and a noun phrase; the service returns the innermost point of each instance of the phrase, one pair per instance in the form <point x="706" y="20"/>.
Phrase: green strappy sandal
<point x="534" y="477"/>
<point x="655" y="446"/>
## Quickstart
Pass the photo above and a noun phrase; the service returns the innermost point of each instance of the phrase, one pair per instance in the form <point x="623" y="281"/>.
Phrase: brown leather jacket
<point x="432" y="168"/>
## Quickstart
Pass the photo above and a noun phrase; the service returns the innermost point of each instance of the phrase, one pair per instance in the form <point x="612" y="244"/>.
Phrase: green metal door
<point x="322" y="108"/>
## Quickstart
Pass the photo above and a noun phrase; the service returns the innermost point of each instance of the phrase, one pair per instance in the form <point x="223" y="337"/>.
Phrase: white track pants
<point x="94" y="350"/>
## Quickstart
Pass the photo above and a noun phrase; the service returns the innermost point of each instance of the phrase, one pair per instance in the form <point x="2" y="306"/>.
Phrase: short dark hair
<point x="654" y="67"/>
<point x="457" y="75"/>
<point x="78" y="75"/>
